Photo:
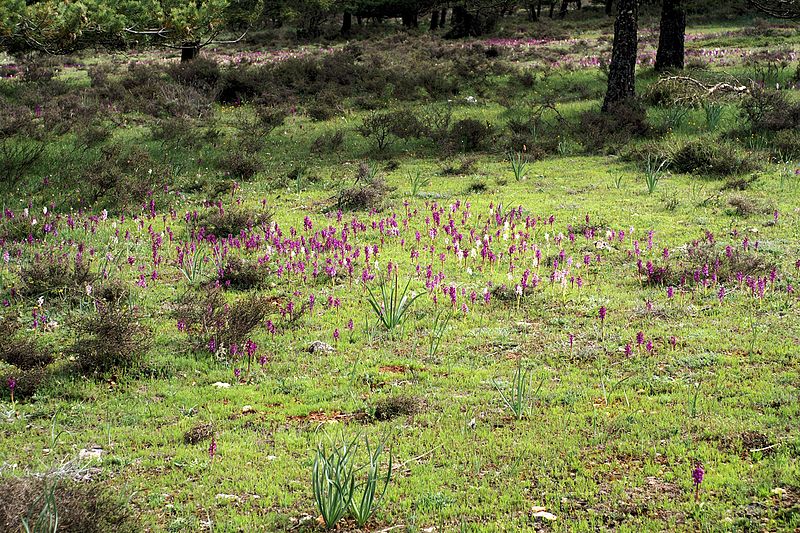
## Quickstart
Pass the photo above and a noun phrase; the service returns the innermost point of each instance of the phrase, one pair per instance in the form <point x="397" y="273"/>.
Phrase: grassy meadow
<point x="592" y="307"/>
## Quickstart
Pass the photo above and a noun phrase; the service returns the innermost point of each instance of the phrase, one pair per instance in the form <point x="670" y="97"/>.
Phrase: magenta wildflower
<point x="212" y="449"/>
<point x="697" y="478"/>
<point x="12" y="384"/>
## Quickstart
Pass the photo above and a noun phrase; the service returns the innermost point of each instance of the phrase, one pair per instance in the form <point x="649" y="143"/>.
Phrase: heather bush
<point x="57" y="275"/>
<point x="328" y="142"/>
<point x="242" y="273"/>
<point x="616" y="127"/>
<point x="700" y="260"/>
<point x="21" y="350"/>
<point x="80" y="506"/>
<point x="110" y="338"/>
<point x="221" y="222"/>
<point x="241" y="165"/>
<point x="120" y="176"/>
<point x="214" y="324"/>
<point x="709" y="156"/>
<point x="27" y="382"/>
<point x="770" y="110"/>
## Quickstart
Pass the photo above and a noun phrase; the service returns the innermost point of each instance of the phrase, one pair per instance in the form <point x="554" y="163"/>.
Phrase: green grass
<point x="610" y="440"/>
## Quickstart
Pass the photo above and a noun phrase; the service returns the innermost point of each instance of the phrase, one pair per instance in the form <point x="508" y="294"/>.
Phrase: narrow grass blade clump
<point x="393" y="305"/>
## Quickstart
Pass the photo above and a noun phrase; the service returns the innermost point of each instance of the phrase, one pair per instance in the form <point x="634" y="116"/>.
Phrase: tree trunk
<point x="563" y="11"/>
<point x="434" y="20"/>
<point x="552" y="7"/>
<point x="347" y="23"/>
<point x="671" y="37"/>
<point x="533" y="16"/>
<point x="409" y="19"/>
<point x="442" y="17"/>
<point x="621" y="73"/>
<point x="189" y="51"/>
<point x="609" y="7"/>
<point x="538" y="9"/>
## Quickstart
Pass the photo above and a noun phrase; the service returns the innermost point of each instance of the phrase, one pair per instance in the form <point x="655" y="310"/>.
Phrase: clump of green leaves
<point x="337" y="490"/>
<point x="418" y="181"/>
<point x="517" y="399"/>
<point x="653" y="172"/>
<point x="519" y="164"/>
<point x="393" y="305"/>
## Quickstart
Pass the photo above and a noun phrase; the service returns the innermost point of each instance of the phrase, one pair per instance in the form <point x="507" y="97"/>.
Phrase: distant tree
<point x="672" y="31"/>
<point x="782" y="9"/>
<point x="622" y="70"/>
<point x="58" y="27"/>
<point x="62" y="27"/>
<point x="473" y="18"/>
<point x="185" y="26"/>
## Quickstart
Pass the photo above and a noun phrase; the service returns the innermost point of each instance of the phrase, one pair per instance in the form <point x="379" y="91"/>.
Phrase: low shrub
<point x="242" y="274"/>
<point x="215" y="325"/>
<point x="745" y="206"/>
<point x="622" y="122"/>
<point x="785" y="144"/>
<point x="27" y="382"/>
<point x="55" y="275"/>
<point x="702" y="259"/>
<point x="769" y="110"/>
<point x="111" y="338"/>
<point x="386" y="127"/>
<point x="369" y="196"/>
<point x="239" y="164"/>
<point x="470" y="135"/>
<point x="202" y="74"/>
<point x="80" y="507"/>
<point x="24" y="353"/>
<point x="328" y="142"/>
<point x="708" y="156"/>
<point x="394" y="406"/>
<point x="222" y="222"/>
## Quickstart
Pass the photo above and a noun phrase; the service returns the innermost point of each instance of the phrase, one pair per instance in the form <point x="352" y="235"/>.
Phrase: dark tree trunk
<point x="409" y="19"/>
<point x="621" y="73"/>
<point x="578" y="5"/>
<point x="347" y="23"/>
<point x="533" y="16"/>
<point x="442" y="17"/>
<point x="671" y="36"/>
<point x="609" y="7"/>
<point x="552" y="7"/>
<point x="458" y="15"/>
<point x="563" y="11"/>
<point x="434" y="20"/>
<point x="538" y="9"/>
<point x="189" y="51"/>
